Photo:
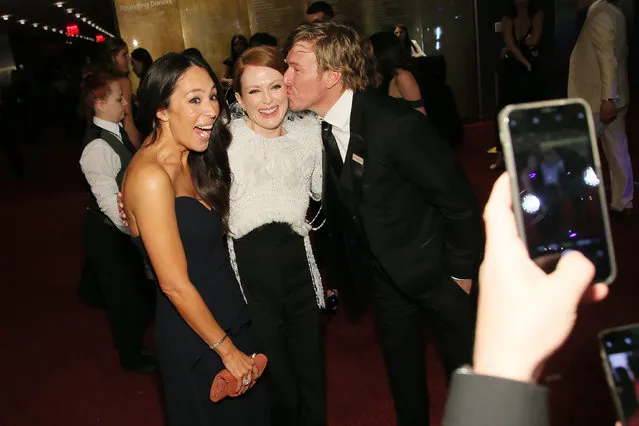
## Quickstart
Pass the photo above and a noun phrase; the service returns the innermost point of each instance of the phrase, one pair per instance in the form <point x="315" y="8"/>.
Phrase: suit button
<point x="355" y="219"/>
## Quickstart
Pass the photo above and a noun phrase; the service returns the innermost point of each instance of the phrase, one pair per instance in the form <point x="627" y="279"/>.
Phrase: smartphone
<point x="559" y="202"/>
<point x="619" y="349"/>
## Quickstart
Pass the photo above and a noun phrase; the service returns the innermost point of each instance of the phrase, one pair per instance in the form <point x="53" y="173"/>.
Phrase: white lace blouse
<point x="273" y="180"/>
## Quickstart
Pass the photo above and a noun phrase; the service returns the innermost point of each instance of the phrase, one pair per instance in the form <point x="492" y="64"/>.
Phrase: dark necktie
<point x="126" y="141"/>
<point x="332" y="150"/>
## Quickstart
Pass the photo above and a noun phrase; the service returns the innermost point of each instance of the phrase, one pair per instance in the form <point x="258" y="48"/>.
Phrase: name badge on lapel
<point x="359" y="160"/>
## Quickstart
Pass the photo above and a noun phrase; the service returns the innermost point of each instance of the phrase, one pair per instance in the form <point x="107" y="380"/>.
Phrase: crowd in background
<point x="155" y="146"/>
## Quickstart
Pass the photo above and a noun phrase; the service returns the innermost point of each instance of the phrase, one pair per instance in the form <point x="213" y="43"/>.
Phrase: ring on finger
<point x="246" y="381"/>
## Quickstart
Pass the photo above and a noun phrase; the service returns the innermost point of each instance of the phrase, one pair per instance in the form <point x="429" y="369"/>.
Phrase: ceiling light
<point x="22" y="21"/>
<point x="59" y="4"/>
<point x="5" y="17"/>
<point x="69" y="10"/>
<point x="77" y="15"/>
<point x="46" y="27"/>
<point x="35" y="25"/>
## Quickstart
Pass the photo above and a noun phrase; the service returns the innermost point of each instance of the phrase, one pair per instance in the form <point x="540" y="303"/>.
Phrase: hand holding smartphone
<point x="558" y="197"/>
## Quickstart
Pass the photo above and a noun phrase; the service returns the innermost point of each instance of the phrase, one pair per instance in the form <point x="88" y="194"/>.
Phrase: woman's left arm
<point x="537" y="29"/>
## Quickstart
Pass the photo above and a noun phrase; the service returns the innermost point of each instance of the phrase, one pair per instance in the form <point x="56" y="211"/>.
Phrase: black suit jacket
<point x="489" y="401"/>
<point x="404" y="195"/>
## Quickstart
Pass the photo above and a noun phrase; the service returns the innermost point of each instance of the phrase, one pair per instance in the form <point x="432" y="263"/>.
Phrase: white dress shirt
<point x="100" y="165"/>
<point x="339" y="116"/>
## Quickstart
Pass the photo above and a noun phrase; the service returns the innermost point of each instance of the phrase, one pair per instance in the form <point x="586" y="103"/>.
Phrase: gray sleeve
<point x="475" y="400"/>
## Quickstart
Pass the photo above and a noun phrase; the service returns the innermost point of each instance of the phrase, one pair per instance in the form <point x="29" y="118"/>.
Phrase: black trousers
<point x="286" y="322"/>
<point x="399" y="326"/>
<point x="128" y="295"/>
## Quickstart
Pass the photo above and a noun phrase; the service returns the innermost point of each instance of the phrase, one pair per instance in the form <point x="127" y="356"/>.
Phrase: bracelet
<point x="215" y="345"/>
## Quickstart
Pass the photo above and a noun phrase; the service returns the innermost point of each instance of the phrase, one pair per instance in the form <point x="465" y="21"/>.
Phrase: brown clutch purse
<point x="225" y="384"/>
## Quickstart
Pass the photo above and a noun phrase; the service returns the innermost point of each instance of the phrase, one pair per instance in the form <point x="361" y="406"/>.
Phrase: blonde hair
<point x="337" y="48"/>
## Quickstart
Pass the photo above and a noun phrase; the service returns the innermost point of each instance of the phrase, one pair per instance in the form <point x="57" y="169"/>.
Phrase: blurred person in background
<point x="411" y="47"/>
<point x="319" y="11"/>
<point x="397" y="81"/>
<point x="115" y="60"/>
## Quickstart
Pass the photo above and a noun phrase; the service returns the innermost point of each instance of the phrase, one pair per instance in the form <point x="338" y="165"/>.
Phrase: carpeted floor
<point x="59" y="369"/>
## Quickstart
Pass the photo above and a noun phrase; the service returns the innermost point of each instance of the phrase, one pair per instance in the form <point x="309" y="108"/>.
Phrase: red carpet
<point x="59" y="369"/>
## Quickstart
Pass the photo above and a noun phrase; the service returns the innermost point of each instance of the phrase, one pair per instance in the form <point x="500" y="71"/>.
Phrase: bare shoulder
<point x="404" y="75"/>
<point x="145" y="178"/>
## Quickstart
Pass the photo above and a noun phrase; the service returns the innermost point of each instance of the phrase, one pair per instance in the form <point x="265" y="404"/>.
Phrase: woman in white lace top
<point x="276" y="162"/>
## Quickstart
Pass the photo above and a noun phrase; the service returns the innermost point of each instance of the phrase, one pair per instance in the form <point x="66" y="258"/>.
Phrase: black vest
<point x="94" y="132"/>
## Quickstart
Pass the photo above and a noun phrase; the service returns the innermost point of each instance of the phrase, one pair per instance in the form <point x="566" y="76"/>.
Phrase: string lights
<point x="73" y="13"/>
<point x="85" y="19"/>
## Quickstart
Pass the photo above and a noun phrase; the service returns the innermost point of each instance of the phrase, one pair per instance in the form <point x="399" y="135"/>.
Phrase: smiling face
<point x="264" y="99"/>
<point x="193" y="109"/>
<point x="305" y="86"/>
<point x="112" y="107"/>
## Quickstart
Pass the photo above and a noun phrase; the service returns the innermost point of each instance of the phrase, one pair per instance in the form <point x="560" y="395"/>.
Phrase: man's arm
<point x="424" y="158"/>
<point x="100" y="165"/>
<point x="603" y="36"/>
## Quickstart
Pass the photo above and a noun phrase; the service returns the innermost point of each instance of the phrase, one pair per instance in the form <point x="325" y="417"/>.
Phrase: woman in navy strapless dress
<point x="176" y="195"/>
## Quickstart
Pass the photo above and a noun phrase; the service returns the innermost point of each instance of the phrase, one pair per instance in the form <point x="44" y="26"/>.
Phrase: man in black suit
<point x="394" y="186"/>
<point x="524" y="315"/>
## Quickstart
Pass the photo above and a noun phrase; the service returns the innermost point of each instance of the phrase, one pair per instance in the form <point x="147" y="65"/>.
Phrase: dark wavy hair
<point x="210" y="169"/>
<point x="244" y="41"/>
<point x="144" y="57"/>
<point x="406" y="43"/>
<point x="511" y="8"/>
<point x="109" y="49"/>
<point x="389" y="54"/>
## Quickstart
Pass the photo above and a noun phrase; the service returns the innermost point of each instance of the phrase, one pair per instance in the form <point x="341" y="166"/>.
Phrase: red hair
<point x="97" y="87"/>
<point x="261" y="56"/>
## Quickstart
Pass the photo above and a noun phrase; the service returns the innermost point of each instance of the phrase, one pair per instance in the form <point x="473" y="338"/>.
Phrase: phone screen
<point x="559" y="184"/>
<point x="622" y="356"/>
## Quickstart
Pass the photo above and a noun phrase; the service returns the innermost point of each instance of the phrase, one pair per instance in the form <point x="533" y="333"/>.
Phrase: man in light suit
<point x="599" y="74"/>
